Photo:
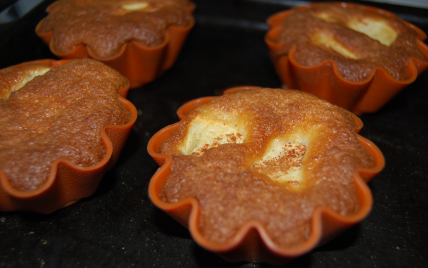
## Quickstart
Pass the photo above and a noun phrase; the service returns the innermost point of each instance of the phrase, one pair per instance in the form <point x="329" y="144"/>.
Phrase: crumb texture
<point x="356" y="39"/>
<point x="296" y="153"/>
<point x="106" y="25"/>
<point x="59" y="114"/>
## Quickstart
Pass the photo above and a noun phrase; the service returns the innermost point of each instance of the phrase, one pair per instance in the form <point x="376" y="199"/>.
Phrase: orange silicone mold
<point x="140" y="64"/>
<point x="68" y="182"/>
<point x="325" y="81"/>
<point x="252" y="242"/>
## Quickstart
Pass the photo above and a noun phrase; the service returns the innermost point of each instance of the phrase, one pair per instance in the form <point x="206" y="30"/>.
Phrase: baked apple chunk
<point x="266" y="155"/>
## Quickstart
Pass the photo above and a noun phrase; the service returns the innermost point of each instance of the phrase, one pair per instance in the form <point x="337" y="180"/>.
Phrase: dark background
<point x="119" y="227"/>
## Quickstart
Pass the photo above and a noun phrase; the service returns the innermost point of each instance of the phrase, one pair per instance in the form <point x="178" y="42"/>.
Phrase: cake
<point x="49" y="113"/>
<point x="266" y="155"/>
<point x="357" y="38"/>
<point x="105" y="26"/>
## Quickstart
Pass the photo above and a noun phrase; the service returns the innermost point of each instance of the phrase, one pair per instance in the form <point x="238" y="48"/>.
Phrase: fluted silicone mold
<point x="68" y="182"/>
<point x="252" y="242"/>
<point x="140" y="64"/>
<point x="324" y="80"/>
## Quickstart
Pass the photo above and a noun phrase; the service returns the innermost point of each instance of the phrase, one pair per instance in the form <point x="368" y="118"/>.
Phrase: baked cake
<point x="268" y="155"/>
<point x="355" y="38"/>
<point x="47" y="113"/>
<point x="106" y="25"/>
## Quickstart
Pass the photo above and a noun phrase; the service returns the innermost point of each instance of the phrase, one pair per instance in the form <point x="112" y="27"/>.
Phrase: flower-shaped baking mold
<point x="67" y="182"/>
<point x="252" y="242"/>
<point x="139" y="62"/>
<point x="324" y="78"/>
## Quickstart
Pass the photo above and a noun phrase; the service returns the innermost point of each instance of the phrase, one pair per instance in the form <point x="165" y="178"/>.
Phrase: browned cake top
<point x="356" y="39"/>
<point x="106" y="25"/>
<point x="53" y="113"/>
<point x="268" y="155"/>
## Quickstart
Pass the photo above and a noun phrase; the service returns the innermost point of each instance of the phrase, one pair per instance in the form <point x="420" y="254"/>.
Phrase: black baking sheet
<point x="119" y="227"/>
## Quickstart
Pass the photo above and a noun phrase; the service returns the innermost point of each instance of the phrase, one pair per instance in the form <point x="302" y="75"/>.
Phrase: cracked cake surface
<point x="356" y="39"/>
<point x="47" y="113"/>
<point x="268" y="155"/>
<point x="107" y="25"/>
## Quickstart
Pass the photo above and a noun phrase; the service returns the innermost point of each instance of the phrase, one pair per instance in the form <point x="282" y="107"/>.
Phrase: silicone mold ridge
<point x="140" y="64"/>
<point x="68" y="182"/>
<point x="252" y="242"/>
<point x="324" y="79"/>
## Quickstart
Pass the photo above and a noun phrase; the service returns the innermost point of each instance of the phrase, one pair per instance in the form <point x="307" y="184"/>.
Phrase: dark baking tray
<point x="119" y="227"/>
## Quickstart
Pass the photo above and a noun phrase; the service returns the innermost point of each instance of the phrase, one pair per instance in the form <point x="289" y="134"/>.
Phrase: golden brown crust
<point x="232" y="190"/>
<point x="58" y="115"/>
<point x="12" y="79"/>
<point x="106" y="25"/>
<point x="356" y="39"/>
